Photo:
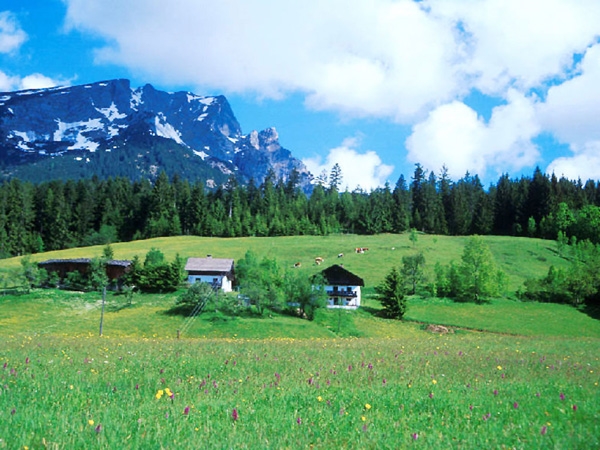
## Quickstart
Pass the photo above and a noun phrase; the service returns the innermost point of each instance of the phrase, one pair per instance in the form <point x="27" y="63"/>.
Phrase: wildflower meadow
<point x="462" y="390"/>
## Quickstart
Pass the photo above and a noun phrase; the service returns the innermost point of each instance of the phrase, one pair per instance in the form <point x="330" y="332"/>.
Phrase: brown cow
<point x="318" y="260"/>
<point x="298" y="264"/>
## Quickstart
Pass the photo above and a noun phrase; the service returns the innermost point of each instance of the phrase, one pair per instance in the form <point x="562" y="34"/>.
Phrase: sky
<point x="488" y="87"/>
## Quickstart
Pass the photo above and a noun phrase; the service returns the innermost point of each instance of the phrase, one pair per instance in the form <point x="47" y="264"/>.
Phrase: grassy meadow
<point x="510" y="375"/>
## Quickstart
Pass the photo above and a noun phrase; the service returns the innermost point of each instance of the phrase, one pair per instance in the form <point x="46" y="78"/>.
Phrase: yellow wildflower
<point x="499" y="367"/>
<point x="168" y="392"/>
<point x="90" y="422"/>
<point x="160" y="393"/>
<point x="363" y="418"/>
<point x="319" y="398"/>
<point x="367" y="407"/>
<point x="434" y="381"/>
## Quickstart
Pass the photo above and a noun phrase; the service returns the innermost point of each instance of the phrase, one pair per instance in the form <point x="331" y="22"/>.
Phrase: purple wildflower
<point x="13" y="411"/>
<point x="415" y="436"/>
<point x="234" y="414"/>
<point x="495" y="391"/>
<point x="562" y="396"/>
<point x="544" y="430"/>
<point x="137" y="386"/>
<point x="515" y="405"/>
<point x="299" y="421"/>
<point x="98" y="428"/>
<point x="186" y="411"/>
<point x="27" y="360"/>
<point x="574" y="407"/>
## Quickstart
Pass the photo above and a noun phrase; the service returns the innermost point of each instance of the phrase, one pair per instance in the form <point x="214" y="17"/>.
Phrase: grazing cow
<point x="298" y="264"/>
<point x="340" y="255"/>
<point x="318" y="260"/>
<point x="361" y="249"/>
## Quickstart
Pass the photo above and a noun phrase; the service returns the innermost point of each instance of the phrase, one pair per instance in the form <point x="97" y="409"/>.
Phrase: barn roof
<point x="337" y="275"/>
<point x="209" y="264"/>
<point x="112" y="262"/>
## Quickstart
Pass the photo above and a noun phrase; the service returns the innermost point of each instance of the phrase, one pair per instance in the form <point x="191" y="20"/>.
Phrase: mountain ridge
<point x="109" y="128"/>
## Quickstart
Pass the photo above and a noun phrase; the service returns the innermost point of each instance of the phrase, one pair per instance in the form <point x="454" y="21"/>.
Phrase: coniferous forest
<point x="60" y="214"/>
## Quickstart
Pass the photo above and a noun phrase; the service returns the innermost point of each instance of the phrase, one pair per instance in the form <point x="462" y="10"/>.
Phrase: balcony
<point x="344" y="294"/>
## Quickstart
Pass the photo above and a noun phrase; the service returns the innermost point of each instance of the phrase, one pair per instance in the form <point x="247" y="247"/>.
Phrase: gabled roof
<point x="209" y="265"/>
<point x="338" y="276"/>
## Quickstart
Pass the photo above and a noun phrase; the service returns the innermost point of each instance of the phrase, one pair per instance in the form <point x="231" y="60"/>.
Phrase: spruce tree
<point x="390" y="294"/>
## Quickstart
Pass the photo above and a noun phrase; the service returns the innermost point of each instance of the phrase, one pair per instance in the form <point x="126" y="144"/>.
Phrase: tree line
<point x="53" y="215"/>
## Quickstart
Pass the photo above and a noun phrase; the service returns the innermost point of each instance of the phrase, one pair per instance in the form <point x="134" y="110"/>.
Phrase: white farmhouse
<point x="343" y="287"/>
<point x="218" y="272"/>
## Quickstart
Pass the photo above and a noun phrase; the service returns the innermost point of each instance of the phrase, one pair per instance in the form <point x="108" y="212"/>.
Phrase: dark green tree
<point x="390" y="293"/>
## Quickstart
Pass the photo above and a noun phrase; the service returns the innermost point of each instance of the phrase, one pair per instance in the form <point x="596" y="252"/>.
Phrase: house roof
<point x="112" y="262"/>
<point x="337" y="275"/>
<point x="209" y="265"/>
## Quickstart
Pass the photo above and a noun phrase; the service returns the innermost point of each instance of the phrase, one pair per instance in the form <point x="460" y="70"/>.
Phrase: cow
<point x="340" y="255"/>
<point x="296" y="265"/>
<point x="361" y="249"/>
<point x="318" y="260"/>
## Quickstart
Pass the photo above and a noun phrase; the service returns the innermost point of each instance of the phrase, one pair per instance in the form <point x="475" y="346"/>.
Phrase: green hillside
<point x="518" y="257"/>
<point x="75" y="313"/>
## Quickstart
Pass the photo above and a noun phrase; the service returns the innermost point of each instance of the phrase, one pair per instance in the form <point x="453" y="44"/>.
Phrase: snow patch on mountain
<point x="111" y="113"/>
<point x="166" y="130"/>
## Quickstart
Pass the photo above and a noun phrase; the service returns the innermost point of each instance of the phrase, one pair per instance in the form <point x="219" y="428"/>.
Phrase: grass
<point x="467" y="390"/>
<point x="518" y="257"/>
<point x="348" y="379"/>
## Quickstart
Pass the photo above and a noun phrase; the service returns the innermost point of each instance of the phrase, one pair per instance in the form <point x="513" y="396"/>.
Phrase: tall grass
<point x="465" y="390"/>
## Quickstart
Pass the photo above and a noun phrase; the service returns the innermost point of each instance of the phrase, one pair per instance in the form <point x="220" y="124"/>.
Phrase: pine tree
<point x="390" y="293"/>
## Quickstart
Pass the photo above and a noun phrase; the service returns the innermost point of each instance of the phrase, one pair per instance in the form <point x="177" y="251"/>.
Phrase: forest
<point x="53" y="215"/>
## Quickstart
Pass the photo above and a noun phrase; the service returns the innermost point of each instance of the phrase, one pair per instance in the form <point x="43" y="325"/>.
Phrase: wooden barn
<point x="115" y="269"/>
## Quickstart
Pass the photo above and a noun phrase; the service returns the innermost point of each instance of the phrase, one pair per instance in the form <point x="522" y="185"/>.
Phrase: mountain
<point x="109" y="129"/>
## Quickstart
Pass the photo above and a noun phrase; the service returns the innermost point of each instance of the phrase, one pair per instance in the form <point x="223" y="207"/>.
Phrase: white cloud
<point x="364" y="170"/>
<point x="455" y="136"/>
<point x="571" y="113"/>
<point x="8" y="83"/>
<point x="585" y="164"/>
<point x="11" y="34"/>
<point x="38" y="81"/>
<point x="34" y="81"/>
<point x="572" y="109"/>
<point x="520" y="43"/>
<point x="383" y="58"/>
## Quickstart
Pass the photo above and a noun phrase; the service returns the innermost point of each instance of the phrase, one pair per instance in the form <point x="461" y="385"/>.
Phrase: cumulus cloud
<point x="517" y="43"/>
<point x="364" y="170"/>
<point x="572" y="109"/>
<point x="455" y="136"/>
<point x="34" y="81"/>
<point x="11" y="34"/>
<point x="585" y="164"/>
<point x="383" y="58"/>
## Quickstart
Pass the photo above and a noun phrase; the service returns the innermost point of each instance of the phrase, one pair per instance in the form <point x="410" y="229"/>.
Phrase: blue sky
<point x="485" y="86"/>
